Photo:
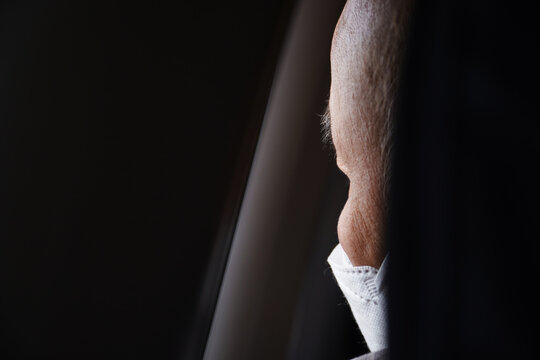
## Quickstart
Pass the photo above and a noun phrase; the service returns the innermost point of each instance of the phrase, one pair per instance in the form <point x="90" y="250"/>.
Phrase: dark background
<point x="126" y="134"/>
<point x="464" y="231"/>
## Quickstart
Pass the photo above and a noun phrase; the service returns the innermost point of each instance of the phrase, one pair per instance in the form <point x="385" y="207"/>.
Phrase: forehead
<point x="357" y="17"/>
<point x="343" y="110"/>
<point x="341" y="42"/>
<point x="344" y="101"/>
<point x="343" y="126"/>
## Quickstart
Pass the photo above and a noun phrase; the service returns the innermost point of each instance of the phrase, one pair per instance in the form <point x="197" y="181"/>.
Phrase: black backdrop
<point x="465" y="222"/>
<point x="121" y="127"/>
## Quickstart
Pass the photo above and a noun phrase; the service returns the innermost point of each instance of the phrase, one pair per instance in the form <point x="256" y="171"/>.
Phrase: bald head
<point x="365" y="58"/>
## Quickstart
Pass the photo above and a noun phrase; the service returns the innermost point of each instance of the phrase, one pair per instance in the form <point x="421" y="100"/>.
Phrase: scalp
<point x="365" y="59"/>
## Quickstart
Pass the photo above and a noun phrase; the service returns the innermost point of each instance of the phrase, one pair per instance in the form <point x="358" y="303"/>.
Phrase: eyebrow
<point x="326" y="130"/>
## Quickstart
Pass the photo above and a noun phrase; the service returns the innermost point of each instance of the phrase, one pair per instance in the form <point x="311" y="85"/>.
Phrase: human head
<point x="365" y="58"/>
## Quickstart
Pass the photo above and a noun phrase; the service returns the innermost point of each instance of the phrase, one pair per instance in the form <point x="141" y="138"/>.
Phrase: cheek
<point x="347" y="225"/>
<point x="359" y="229"/>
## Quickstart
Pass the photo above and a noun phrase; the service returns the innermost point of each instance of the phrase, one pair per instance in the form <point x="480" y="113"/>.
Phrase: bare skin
<point x="364" y="59"/>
